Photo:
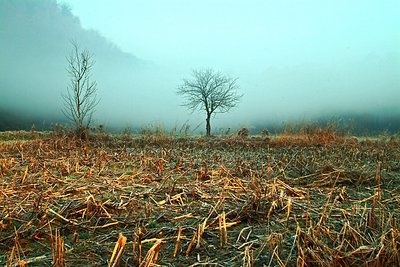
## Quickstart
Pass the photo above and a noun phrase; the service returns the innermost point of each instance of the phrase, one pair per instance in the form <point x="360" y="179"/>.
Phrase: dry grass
<point x="318" y="199"/>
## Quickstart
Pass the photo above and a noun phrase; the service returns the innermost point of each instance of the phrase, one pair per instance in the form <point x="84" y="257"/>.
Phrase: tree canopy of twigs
<point x="81" y="97"/>
<point x="211" y="92"/>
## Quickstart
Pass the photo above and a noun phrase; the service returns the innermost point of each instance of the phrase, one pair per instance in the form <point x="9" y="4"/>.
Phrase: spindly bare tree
<point x="211" y="92"/>
<point x="81" y="98"/>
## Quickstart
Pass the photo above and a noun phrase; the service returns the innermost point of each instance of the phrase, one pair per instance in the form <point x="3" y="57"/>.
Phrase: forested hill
<point x="36" y="37"/>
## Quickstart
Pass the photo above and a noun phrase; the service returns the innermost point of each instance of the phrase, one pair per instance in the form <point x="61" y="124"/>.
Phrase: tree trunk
<point x="208" y="125"/>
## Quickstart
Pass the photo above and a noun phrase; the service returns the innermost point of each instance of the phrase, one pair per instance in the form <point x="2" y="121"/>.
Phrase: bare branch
<point x="210" y="91"/>
<point x="80" y="99"/>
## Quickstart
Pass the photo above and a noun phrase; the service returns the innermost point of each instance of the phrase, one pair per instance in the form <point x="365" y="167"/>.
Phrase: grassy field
<point x="305" y="199"/>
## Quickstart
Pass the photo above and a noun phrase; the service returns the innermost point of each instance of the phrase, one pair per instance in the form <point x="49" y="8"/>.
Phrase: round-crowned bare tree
<point x="211" y="92"/>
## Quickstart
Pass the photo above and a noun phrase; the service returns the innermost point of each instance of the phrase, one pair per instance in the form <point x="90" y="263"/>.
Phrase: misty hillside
<point x="35" y="39"/>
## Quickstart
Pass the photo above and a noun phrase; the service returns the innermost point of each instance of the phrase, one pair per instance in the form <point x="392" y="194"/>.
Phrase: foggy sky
<point x="294" y="59"/>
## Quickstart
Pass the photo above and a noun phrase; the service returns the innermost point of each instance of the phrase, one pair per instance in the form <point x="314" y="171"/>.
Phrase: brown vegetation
<point x="243" y="133"/>
<point x="313" y="198"/>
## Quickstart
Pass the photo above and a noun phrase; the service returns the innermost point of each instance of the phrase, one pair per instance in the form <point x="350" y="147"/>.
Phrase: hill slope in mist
<point x="35" y="39"/>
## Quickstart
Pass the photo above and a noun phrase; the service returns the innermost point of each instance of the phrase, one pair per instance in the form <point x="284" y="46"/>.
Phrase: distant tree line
<point x="11" y="121"/>
<point x="356" y="124"/>
<point x="352" y="123"/>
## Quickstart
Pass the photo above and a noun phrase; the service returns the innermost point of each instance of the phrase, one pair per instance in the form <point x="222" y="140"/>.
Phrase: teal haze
<point x="295" y="60"/>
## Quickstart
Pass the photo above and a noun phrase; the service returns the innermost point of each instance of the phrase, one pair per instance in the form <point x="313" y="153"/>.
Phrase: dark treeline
<point x="355" y="124"/>
<point x="11" y="121"/>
